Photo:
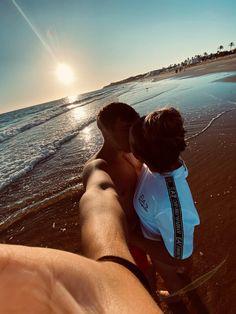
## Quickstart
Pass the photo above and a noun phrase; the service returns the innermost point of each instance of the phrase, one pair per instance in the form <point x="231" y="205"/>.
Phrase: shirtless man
<point x="114" y="121"/>
<point x="40" y="280"/>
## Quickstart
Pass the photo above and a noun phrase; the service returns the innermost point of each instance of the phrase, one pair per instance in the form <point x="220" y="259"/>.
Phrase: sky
<point x="100" y="41"/>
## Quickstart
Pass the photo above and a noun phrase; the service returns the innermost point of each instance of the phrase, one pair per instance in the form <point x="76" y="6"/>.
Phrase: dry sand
<point x="211" y="160"/>
<point x="223" y="64"/>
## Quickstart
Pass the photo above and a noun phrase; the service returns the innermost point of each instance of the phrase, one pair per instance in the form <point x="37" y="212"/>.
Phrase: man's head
<point x="114" y="121"/>
<point x="158" y="138"/>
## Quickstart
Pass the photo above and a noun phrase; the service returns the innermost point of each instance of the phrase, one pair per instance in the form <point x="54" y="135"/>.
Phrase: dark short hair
<point x="159" y="138"/>
<point x="109" y="114"/>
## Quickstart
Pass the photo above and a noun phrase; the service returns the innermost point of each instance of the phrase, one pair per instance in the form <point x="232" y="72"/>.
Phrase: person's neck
<point x="109" y="153"/>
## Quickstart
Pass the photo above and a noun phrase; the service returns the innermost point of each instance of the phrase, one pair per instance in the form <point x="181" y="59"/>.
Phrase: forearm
<point x="103" y="225"/>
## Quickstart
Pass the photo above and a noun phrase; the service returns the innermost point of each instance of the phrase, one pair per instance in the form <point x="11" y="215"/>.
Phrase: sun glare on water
<point x="65" y="74"/>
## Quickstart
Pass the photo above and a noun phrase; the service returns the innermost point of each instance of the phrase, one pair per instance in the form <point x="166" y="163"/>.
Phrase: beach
<point x="43" y="203"/>
<point x="211" y="161"/>
<point x="223" y="64"/>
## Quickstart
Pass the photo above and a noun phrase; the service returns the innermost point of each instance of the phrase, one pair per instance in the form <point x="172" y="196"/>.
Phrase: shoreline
<point x="220" y="64"/>
<point x="223" y="64"/>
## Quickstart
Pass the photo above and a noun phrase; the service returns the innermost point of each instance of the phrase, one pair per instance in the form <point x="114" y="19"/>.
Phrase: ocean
<point x="43" y="148"/>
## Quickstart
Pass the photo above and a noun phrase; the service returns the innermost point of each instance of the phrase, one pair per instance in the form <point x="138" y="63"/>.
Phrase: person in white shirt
<point x="163" y="200"/>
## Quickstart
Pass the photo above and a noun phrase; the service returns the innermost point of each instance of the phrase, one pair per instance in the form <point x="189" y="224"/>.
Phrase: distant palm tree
<point x="231" y="45"/>
<point x="221" y="47"/>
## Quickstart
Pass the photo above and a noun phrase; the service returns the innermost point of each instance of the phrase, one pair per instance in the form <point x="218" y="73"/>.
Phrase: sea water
<point x="43" y="148"/>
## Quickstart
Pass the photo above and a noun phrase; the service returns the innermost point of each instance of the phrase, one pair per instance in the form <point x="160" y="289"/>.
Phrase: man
<point x="39" y="280"/>
<point x="114" y="122"/>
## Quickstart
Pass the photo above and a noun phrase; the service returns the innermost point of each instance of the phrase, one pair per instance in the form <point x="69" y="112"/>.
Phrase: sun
<point x="65" y="74"/>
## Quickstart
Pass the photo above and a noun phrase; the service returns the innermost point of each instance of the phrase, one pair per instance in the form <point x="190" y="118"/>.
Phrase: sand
<point x="212" y="176"/>
<point x="211" y="161"/>
<point x="223" y="64"/>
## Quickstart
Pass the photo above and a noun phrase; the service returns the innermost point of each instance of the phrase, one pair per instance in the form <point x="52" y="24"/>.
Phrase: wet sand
<point x="212" y="176"/>
<point x="211" y="161"/>
<point x="56" y="226"/>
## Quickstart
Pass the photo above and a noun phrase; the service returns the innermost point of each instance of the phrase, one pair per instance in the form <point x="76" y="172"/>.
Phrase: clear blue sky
<point x="102" y="40"/>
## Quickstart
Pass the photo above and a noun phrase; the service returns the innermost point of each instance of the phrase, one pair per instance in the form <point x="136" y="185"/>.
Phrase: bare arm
<point x="36" y="280"/>
<point x="136" y="163"/>
<point x="39" y="280"/>
<point x="103" y="224"/>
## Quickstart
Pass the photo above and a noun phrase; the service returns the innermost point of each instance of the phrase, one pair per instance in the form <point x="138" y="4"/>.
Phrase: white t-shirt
<point x="166" y="209"/>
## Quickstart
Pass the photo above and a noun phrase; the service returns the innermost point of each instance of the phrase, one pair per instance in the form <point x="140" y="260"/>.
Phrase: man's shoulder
<point x="94" y="165"/>
<point x="97" y="160"/>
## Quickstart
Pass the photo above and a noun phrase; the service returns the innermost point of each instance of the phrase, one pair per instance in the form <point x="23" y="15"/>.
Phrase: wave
<point x="72" y="191"/>
<point x="77" y="104"/>
<point x="44" y="153"/>
<point x="37" y="120"/>
<point x="208" y="125"/>
<point x="50" y="114"/>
